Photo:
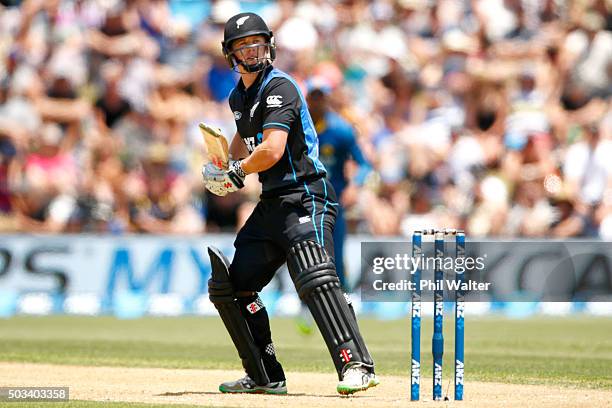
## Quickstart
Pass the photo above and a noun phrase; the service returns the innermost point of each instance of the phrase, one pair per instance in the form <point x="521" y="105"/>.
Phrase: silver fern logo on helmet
<point x="241" y="21"/>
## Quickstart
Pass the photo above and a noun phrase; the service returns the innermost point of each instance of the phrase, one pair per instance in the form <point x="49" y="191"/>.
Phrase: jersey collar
<point x="255" y="87"/>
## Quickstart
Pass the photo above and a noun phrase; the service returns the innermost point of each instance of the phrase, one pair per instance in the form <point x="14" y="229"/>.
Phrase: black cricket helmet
<point x="244" y="25"/>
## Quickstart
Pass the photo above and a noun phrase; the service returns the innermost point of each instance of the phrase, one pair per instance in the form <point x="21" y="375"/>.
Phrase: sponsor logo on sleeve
<point x="274" y="101"/>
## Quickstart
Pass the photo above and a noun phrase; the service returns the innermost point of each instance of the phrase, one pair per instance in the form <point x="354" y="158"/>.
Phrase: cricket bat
<point x="216" y="146"/>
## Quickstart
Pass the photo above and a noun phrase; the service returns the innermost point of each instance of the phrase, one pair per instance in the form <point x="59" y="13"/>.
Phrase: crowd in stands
<point x="488" y="115"/>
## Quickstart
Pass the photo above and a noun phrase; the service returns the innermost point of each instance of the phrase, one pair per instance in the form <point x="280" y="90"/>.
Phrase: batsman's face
<point x="250" y="49"/>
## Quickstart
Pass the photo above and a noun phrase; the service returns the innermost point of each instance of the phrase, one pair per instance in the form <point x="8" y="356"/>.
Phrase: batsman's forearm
<point x="237" y="148"/>
<point x="261" y="159"/>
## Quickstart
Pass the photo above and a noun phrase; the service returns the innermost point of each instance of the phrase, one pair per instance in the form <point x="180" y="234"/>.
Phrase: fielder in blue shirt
<point x="337" y="145"/>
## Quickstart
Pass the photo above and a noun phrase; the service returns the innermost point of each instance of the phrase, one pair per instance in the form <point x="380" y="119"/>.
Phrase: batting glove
<point x="235" y="176"/>
<point x="214" y="179"/>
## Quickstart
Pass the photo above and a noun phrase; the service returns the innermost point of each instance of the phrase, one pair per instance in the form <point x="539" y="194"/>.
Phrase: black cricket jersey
<point x="275" y="101"/>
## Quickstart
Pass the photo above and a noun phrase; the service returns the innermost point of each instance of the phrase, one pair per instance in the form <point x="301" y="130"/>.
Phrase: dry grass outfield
<point x="199" y="387"/>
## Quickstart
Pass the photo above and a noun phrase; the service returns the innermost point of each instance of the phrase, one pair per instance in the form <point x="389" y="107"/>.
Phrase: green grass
<point x="571" y="352"/>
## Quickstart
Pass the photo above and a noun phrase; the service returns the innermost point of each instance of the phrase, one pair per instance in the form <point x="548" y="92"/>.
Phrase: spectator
<point x="47" y="198"/>
<point x="161" y="199"/>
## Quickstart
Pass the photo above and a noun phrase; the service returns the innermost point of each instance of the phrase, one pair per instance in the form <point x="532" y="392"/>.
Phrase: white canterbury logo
<point x="304" y="220"/>
<point x="274" y="101"/>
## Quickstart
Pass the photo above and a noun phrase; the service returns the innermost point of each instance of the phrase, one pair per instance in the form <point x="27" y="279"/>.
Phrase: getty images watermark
<point x="407" y="263"/>
<point x="488" y="271"/>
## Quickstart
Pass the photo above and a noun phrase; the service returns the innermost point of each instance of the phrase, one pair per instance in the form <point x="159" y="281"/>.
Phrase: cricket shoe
<point x="356" y="378"/>
<point x="247" y="385"/>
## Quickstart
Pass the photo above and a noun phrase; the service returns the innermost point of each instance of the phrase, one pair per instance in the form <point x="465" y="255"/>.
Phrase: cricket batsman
<point x="293" y="222"/>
